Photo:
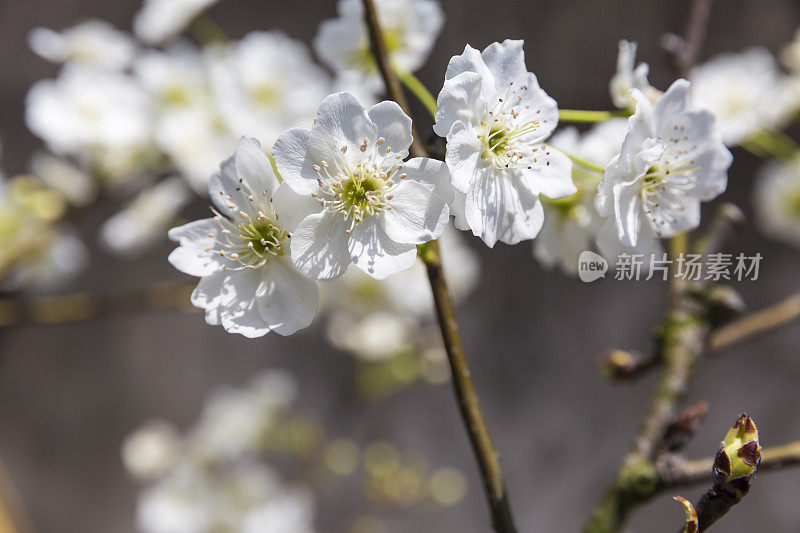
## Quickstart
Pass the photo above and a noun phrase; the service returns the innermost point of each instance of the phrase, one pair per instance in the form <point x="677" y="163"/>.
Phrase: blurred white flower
<point x="160" y="20"/>
<point x="265" y="84"/>
<point x="248" y="281"/>
<point x="357" y="200"/>
<point x="496" y="119"/>
<point x="86" y="109"/>
<point x="777" y="201"/>
<point x="410" y="28"/>
<point x="146" y="219"/>
<point x="671" y="159"/>
<point x="51" y="267"/>
<point x="571" y="224"/>
<point x="745" y="91"/>
<point x="629" y="76"/>
<point x="94" y="43"/>
<point x="234" y="420"/>
<point x="195" y="143"/>
<point x="177" y="503"/>
<point x="151" y="450"/>
<point x="290" y="512"/>
<point x="175" y="78"/>
<point x="790" y="55"/>
<point x="377" y="336"/>
<point x="410" y="292"/>
<point x="58" y="173"/>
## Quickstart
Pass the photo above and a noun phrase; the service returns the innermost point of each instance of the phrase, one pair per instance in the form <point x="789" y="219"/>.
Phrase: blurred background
<point x="71" y="393"/>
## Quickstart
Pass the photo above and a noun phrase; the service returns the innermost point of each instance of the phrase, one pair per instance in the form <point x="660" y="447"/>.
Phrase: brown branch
<point x="682" y="338"/>
<point x="698" y="471"/>
<point x="686" y="50"/>
<point x="751" y="326"/>
<point x="467" y="399"/>
<point x="755" y="324"/>
<point x="80" y="306"/>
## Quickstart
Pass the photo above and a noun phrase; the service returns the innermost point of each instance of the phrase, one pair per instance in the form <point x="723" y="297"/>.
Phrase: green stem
<point x="772" y="143"/>
<point x="416" y="87"/>
<point x="581" y="162"/>
<point x="582" y="116"/>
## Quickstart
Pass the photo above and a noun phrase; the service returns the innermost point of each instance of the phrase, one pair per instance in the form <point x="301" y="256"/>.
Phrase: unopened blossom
<point x="160" y="20"/>
<point x="496" y="119"/>
<point x="248" y="282"/>
<point x="745" y="91"/>
<point x="671" y="160"/>
<point x="777" y="201"/>
<point x="94" y="43"/>
<point x="146" y="219"/>
<point x="265" y="84"/>
<point x="87" y="109"/>
<point x="410" y="28"/>
<point x="357" y="199"/>
<point x="571" y="224"/>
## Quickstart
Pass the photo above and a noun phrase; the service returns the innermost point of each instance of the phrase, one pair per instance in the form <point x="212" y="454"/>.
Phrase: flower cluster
<point x="211" y="478"/>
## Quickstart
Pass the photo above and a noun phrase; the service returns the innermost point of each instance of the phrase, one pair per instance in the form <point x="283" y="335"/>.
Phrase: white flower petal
<point x="319" y="246"/>
<point x="375" y="253"/>
<point x="341" y="121"/>
<point x="550" y="174"/>
<point x="239" y="310"/>
<point x="253" y="166"/>
<point x="506" y="61"/>
<point x="463" y="156"/>
<point x="460" y="99"/>
<point x="393" y="125"/>
<point x="288" y="299"/>
<point x="208" y="295"/>
<point x="417" y="215"/>
<point x="498" y="209"/>
<point x="291" y="158"/>
<point x="291" y="208"/>
<point x="191" y="256"/>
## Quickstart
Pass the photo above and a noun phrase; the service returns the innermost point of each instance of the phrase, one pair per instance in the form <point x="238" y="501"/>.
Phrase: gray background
<point x="69" y="394"/>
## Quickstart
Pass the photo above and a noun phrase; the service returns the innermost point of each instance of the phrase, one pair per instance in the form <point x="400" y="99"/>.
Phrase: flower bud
<point x="739" y="456"/>
<point x="692" y="524"/>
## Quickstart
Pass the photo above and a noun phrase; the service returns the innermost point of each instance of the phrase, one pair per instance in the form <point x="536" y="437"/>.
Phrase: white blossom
<point x="151" y="450"/>
<point x="87" y="109"/>
<point x="146" y="219"/>
<point x="496" y="119"/>
<point x="410" y="28"/>
<point x="357" y="199"/>
<point x="265" y="84"/>
<point x="571" y="224"/>
<point x="377" y="336"/>
<point x="289" y="512"/>
<point x="94" y="43"/>
<point x="160" y="20"/>
<point x="672" y="159"/>
<point x="777" y="201"/>
<point x="790" y="55"/>
<point x="248" y="282"/>
<point x="58" y="173"/>
<point x="745" y="91"/>
<point x="629" y="76"/>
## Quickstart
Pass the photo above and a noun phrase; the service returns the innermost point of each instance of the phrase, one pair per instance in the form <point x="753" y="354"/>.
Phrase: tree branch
<point x="467" y="399"/>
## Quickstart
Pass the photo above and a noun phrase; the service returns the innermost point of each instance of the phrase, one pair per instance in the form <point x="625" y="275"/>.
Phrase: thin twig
<point x="479" y="437"/>
<point x="751" y="326"/>
<point x="698" y="471"/>
<point x="686" y="50"/>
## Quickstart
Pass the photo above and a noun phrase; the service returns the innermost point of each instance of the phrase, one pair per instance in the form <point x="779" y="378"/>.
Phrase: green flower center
<point x="263" y="238"/>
